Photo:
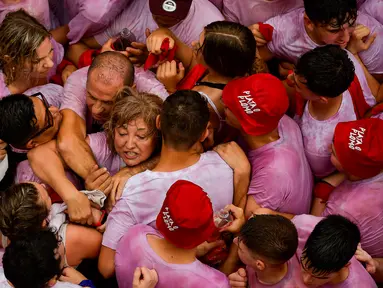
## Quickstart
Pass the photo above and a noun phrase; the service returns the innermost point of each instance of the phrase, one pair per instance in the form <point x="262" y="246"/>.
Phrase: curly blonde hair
<point x="131" y="105"/>
<point x="20" y="36"/>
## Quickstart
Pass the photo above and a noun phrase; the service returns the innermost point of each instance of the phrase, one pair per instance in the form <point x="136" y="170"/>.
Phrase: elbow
<point x="106" y="269"/>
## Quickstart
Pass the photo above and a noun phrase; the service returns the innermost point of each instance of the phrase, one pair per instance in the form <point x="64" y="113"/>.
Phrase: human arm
<point x="71" y="275"/>
<point x="237" y="160"/>
<point x="262" y="49"/>
<point x="47" y="164"/>
<point x="238" y="279"/>
<point x="183" y="53"/>
<point x="360" y="41"/>
<point x="60" y="33"/>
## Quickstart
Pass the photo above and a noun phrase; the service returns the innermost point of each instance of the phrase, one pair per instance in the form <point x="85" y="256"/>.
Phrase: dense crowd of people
<point x="191" y="143"/>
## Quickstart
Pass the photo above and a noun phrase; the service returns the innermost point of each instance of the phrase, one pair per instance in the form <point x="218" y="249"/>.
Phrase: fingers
<point x="149" y="275"/>
<point x="101" y="228"/>
<point x="120" y="189"/>
<point x="242" y="272"/>
<point x="370" y="40"/>
<point x="107" y="185"/>
<point x="136" y="276"/>
<point x="181" y="73"/>
<point x="236" y="211"/>
<point x="112" y="194"/>
<point x="147" y="32"/>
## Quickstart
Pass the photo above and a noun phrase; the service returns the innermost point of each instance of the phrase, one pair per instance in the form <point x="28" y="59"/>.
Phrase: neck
<point x="341" y="277"/>
<point x="19" y="86"/>
<point x="217" y="78"/>
<point x="322" y="111"/>
<point x="272" y="275"/>
<point x="174" y="160"/>
<point x="170" y="253"/>
<point x="256" y="142"/>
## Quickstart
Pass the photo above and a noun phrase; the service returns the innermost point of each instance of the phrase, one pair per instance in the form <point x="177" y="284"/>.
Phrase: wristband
<point x="87" y="283"/>
<point x="323" y="190"/>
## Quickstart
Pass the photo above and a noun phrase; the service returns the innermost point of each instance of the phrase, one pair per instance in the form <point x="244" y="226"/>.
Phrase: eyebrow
<point x="39" y="59"/>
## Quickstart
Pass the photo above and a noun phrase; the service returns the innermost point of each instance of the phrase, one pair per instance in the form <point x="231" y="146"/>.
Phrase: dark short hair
<point x="184" y="118"/>
<point x="115" y="62"/>
<point x="331" y="245"/>
<point x="32" y="262"/>
<point x="324" y="12"/>
<point x="229" y="48"/>
<point x="18" y="120"/>
<point x="272" y="237"/>
<point x="328" y="70"/>
<point x="21" y="211"/>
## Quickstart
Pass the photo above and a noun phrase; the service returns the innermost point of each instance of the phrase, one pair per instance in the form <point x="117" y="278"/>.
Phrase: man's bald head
<point x="110" y="67"/>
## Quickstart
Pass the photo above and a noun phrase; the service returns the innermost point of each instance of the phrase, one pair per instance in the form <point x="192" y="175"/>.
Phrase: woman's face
<point x="44" y="60"/>
<point x="196" y="45"/>
<point x="44" y="196"/>
<point x="132" y="142"/>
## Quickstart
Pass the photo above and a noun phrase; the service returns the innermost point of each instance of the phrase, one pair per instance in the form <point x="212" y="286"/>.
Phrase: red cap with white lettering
<point x="258" y="102"/>
<point x="186" y="217"/>
<point x="359" y="147"/>
<point x="178" y="9"/>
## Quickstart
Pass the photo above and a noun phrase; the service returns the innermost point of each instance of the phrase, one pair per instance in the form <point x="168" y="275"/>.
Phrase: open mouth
<point x="130" y="155"/>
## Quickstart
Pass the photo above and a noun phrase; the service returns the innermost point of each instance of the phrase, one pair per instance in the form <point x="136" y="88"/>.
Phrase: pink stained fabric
<point x="144" y="194"/>
<point x="361" y="202"/>
<point x="290" y="44"/>
<point x="292" y="279"/>
<point x="201" y="13"/>
<point x="305" y="224"/>
<point x="248" y="12"/>
<point x="281" y="177"/>
<point x="36" y="8"/>
<point x="317" y="135"/>
<point x="134" y="251"/>
<point x="87" y="17"/>
<point x="104" y="156"/>
<point x="373" y="8"/>
<point x="217" y="3"/>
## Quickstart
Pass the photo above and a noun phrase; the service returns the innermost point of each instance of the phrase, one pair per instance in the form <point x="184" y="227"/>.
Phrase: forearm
<point x="49" y="167"/>
<point x="75" y="51"/>
<point x="241" y="186"/>
<point x="372" y="82"/>
<point x="231" y="263"/>
<point x="378" y="275"/>
<point x="59" y="34"/>
<point x="147" y="165"/>
<point x="77" y="154"/>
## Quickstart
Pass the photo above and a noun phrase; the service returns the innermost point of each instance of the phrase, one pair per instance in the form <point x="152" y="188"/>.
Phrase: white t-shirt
<point x="145" y="193"/>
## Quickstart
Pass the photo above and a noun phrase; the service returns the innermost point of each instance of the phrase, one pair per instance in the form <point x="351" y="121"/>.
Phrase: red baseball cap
<point x="258" y="102"/>
<point x="186" y="217"/>
<point x="178" y="9"/>
<point x="358" y="147"/>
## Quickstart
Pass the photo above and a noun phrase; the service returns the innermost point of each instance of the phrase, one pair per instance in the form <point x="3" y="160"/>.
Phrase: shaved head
<point x="111" y="67"/>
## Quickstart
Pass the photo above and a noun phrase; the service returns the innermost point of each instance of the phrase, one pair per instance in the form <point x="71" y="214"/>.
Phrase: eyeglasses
<point x="48" y="117"/>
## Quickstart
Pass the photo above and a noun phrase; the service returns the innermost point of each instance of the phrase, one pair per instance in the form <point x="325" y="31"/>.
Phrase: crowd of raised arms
<point x="191" y="143"/>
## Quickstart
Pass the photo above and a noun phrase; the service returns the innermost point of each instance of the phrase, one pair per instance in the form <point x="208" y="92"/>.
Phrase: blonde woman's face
<point x="44" y="60"/>
<point x="132" y="142"/>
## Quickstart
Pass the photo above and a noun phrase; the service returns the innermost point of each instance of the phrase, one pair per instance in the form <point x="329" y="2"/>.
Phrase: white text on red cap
<point x="169" y="6"/>
<point x="168" y="220"/>
<point x="356" y="138"/>
<point x="247" y="103"/>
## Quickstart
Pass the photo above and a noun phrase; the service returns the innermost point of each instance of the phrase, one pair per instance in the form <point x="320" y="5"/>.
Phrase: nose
<point x="97" y="108"/>
<point x="54" y="110"/>
<point x="346" y="34"/>
<point x="130" y="143"/>
<point x="49" y="62"/>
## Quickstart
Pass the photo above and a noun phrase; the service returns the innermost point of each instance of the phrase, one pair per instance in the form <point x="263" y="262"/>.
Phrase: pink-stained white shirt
<point x="104" y="156"/>
<point x="218" y="4"/>
<point x="144" y="194"/>
<point x="373" y="8"/>
<point x="281" y="177"/>
<point x="36" y="8"/>
<point x="134" y="251"/>
<point x="361" y="202"/>
<point x="358" y="275"/>
<point x="292" y="279"/>
<point x="4" y="282"/>
<point x="201" y="13"/>
<point x="75" y="91"/>
<point x="86" y="17"/>
<point x="290" y="44"/>
<point x="248" y="12"/>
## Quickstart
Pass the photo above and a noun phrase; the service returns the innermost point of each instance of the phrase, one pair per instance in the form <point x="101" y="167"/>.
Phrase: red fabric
<point x="323" y="190"/>
<point x="376" y="110"/>
<point x="189" y="81"/>
<point x="360" y="104"/>
<point x="166" y="54"/>
<point x="57" y="79"/>
<point x="358" y="147"/>
<point x="258" y="102"/>
<point x="87" y="57"/>
<point x="55" y="198"/>
<point x="178" y="9"/>
<point x="186" y="216"/>
<point x="266" y="30"/>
